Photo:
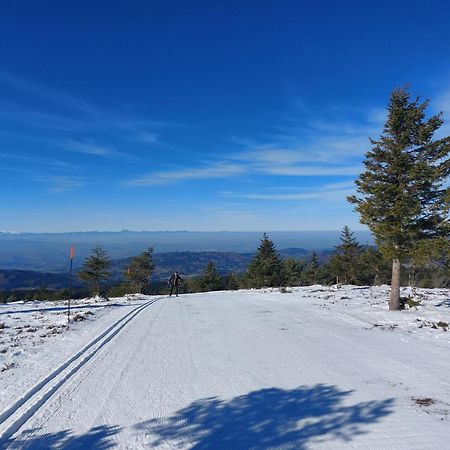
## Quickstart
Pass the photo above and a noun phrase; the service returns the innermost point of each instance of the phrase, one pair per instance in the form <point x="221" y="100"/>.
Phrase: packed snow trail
<point x="17" y="414"/>
<point x="248" y="370"/>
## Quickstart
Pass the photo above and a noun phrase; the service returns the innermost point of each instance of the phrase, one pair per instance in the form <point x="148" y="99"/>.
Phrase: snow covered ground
<point x="313" y="367"/>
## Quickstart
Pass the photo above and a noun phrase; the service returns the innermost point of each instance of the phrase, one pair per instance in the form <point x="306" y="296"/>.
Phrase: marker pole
<point x="70" y="284"/>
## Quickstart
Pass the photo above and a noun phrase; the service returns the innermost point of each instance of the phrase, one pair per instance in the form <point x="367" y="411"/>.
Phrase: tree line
<point x="350" y="263"/>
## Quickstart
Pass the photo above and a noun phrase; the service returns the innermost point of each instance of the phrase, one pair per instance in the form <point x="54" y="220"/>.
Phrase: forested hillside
<point x="187" y="263"/>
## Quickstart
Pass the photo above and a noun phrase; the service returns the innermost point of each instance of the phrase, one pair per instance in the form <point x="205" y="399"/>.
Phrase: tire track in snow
<point x="14" y="417"/>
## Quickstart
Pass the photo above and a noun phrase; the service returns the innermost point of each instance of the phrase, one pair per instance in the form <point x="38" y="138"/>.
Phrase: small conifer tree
<point x="95" y="269"/>
<point x="140" y="271"/>
<point x="232" y="282"/>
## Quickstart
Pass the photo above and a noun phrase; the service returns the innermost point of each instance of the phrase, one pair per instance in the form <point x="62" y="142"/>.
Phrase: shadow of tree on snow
<point x="97" y="438"/>
<point x="443" y="303"/>
<point x="268" y="418"/>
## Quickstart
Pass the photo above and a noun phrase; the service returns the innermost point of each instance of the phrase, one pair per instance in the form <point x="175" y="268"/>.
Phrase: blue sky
<point x="203" y="115"/>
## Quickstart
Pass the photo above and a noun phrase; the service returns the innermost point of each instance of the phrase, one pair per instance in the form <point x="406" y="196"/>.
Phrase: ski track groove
<point x="131" y="358"/>
<point x="25" y="407"/>
<point x="53" y="410"/>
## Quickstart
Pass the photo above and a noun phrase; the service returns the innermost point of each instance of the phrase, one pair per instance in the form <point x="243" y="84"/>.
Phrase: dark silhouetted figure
<point x="174" y="281"/>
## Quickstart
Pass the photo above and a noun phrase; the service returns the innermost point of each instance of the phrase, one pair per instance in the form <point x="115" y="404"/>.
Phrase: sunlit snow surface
<point x="311" y="367"/>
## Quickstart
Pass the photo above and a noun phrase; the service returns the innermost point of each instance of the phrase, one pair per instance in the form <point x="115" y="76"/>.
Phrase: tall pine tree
<point x="95" y="269"/>
<point x="210" y="280"/>
<point x="265" y="270"/>
<point x="310" y="274"/>
<point x="402" y="198"/>
<point x="293" y="269"/>
<point x="344" y="262"/>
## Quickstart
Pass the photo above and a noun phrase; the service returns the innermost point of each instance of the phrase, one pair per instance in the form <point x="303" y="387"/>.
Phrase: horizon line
<point x="181" y="231"/>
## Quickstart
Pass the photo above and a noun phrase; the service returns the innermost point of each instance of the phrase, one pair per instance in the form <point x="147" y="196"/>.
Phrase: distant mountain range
<point x="48" y="252"/>
<point x="187" y="263"/>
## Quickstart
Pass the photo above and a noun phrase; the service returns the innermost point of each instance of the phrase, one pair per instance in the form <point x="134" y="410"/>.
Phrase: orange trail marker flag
<point x="72" y="251"/>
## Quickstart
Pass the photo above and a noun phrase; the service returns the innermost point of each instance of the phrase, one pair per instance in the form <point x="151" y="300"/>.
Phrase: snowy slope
<point x="316" y="367"/>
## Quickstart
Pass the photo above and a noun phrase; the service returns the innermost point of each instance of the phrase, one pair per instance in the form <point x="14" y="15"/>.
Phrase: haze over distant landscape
<point x="50" y="251"/>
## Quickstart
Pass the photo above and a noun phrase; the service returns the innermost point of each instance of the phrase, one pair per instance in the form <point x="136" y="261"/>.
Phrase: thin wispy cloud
<point x="59" y="183"/>
<point x="44" y="92"/>
<point x="215" y="171"/>
<point x="148" y="138"/>
<point x="33" y="161"/>
<point x="348" y="185"/>
<point x="88" y="148"/>
<point x="312" y="147"/>
<point x="320" y="194"/>
<point x="323" y="153"/>
<point x="17" y="170"/>
<point x="296" y="163"/>
<point x="310" y="171"/>
<point x="246" y="168"/>
<point x="31" y="118"/>
<point x="250" y="164"/>
<point x="73" y="113"/>
<point x="271" y="156"/>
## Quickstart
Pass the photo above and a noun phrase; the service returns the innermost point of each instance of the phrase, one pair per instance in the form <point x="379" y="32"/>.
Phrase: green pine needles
<point x="95" y="269"/>
<point x="402" y="194"/>
<point x="266" y="268"/>
<point x="344" y="262"/>
<point x="210" y="279"/>
<point x="140" y="271"/>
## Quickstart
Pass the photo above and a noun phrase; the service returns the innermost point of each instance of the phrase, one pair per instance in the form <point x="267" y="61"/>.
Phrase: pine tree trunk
<point x="394" y="300"/>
